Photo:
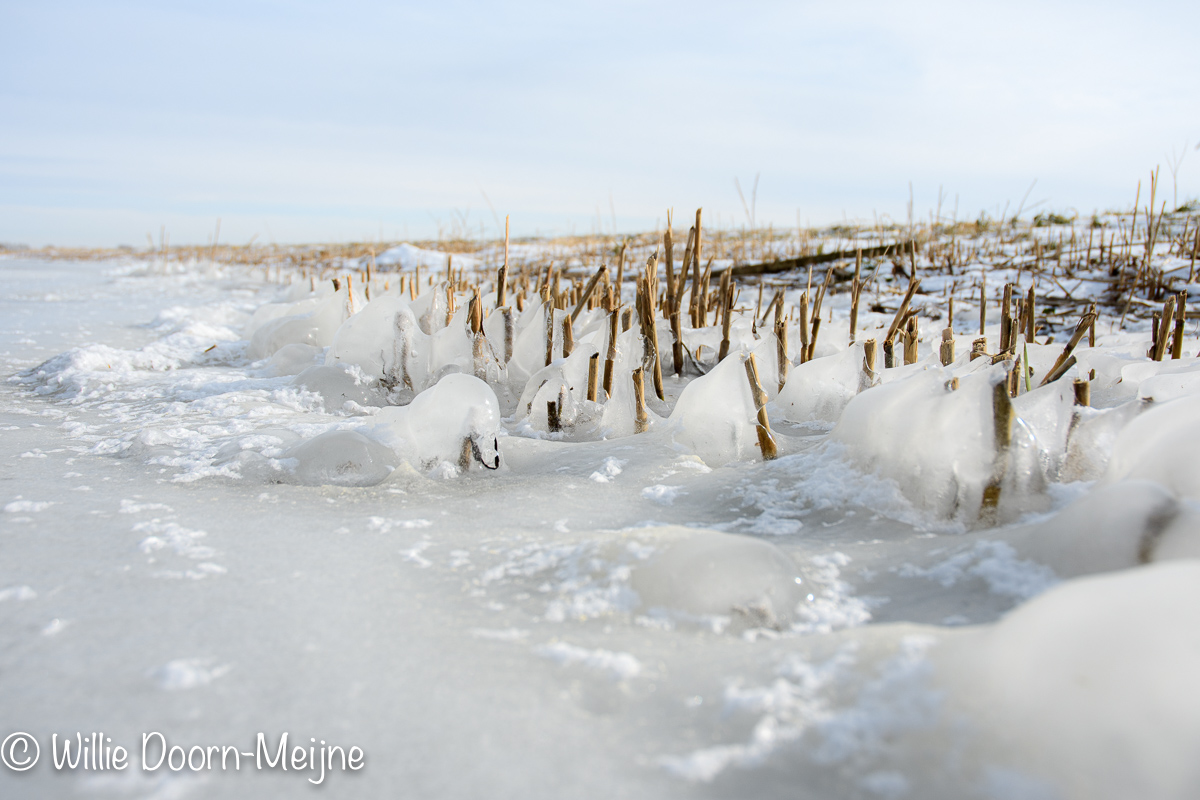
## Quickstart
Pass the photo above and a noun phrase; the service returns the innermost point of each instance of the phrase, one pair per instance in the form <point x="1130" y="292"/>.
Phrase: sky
<point x="304" y="122"/>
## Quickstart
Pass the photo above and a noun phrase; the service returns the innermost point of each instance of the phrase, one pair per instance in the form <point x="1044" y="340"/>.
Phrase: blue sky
<point x="300" y="121"/>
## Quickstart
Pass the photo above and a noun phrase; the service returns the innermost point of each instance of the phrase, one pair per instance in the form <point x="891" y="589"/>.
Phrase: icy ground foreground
<point x="195" y="541"/>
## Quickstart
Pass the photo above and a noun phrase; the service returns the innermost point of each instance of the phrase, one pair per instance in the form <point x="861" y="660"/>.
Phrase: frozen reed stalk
<point x="982" y="308"/>
<point x="549" y="333"/>
<point x="1180" y="320"/>
<point x="464" y="454"/>
<point x="553" y="419"/>
<point x="593" y="376"/>
<point x="621" y="269"/>
<point x="641" y="419"/>
<point x="1164" y="330"/>
<point x="669" y="256"/>
<point x="506" y="314"/>
<point x="803" y="327"/>
<point x="611" y="357"/>
<point x="766" y="442"/>
<point x="911" y="336"/>
<point x="350" y="295"/>
<point x="649" y="326"/>
<point x="1002" y="421"/>
<point x="1030" y="326"/>
<point x="502" y="276"/>
<point x="1008" y="338"/>
<point x="781" y="342"/>
<point x="1083" y="392"/>
<point x="913" y="284"/>
<point x="947" y="348"/>
<point x="626" y="319"/>
<point x="684" y="273"/>
<point x="726" y="320"/>
<point x="587" y="291"/>
<point x="979" y="348"/>
<point x="568" y="336"/>
<point x="869" y="352"/>
<point x="1061" y="365"/>
<point x="855" y="292"/>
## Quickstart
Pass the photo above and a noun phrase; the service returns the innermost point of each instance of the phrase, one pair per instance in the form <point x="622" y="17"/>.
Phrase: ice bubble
<point x="706" y="573"/>
<point x="343" y="458"/>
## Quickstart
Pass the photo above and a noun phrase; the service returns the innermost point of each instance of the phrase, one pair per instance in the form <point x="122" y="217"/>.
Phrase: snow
<point x="232" y="505"/>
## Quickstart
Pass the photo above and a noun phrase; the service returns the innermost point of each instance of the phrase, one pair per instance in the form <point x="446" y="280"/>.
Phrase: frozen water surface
<point x="222" y="517"/>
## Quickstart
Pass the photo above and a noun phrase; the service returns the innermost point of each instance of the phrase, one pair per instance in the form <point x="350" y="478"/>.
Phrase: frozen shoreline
<point x="484" y="635"/>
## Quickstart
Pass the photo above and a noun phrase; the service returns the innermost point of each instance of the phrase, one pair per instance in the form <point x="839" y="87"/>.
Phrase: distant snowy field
<point x="216" y="522"/>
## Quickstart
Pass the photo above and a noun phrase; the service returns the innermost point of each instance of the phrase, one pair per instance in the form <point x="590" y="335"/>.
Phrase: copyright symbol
<point x="15" y="752"/>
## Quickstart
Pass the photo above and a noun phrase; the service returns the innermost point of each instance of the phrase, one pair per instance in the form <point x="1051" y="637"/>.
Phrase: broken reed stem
<point x="587" y="291"/>
<point x="727" y="303"/>
<point x="669" y="256"/>
<point x="611" y="358"/>
<point x="1164" y="330"/>
<point x="982" y="308"/>
<point x="766" y="442"/>
<point x="502" y="276"/>
<point x="593" y="376"/>
<point x="855" y="292"/>
<point x="641" y="419"/>
<point x="1083" y="392"/>
<point x="781" y="344"/>
<point x="911" y="336"/>
<point x="870" y="346"/>
<point x="1180" y="320"/>
<point x="549" y="333"/>
<point x="1060" y="365"/>
<point x="568" y="336"/>
<point x="553" y="422"/>
<point x="646" y="319"/>
<point x="1002" y="421"/>
<point x="621" y="270"/>
<point x="898" y="320"/>
<point x="804" y="327"/>
<point x="510" y="331"/>
<point x="946" y="352"/>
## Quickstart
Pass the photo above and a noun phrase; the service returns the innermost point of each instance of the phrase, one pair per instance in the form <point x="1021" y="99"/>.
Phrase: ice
<point x="711" y="574"/>
<point x="343" y="388"/>
<point x="818" y="390"/>
<point x="1160" y="445"/>
<point x="314" y="327"/>
<point x="457" y="421"/>
<point x="235" y="505"/>
<point x="714" y="415"/>
<point x="1092" y="666"/>
<point x="936" y="443"/>
<point x="339" y="457"/>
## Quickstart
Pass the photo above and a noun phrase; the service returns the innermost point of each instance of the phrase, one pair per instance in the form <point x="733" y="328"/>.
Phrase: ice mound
<point x="342" y="387"/>
<point x="715" y="415"/>
<point x="938" y="444"/>
<point x="457" y="421"/>
<point x="1112" y="527"/>
<point x="819" y="390"/>
<point x="710" y="574"/>
<point x="1160" y="445"/>
<point x="315" y="326"/>
<point x="343" y="458"/>
<point x="292" y="359"/>
<point x="1091" y="687"/>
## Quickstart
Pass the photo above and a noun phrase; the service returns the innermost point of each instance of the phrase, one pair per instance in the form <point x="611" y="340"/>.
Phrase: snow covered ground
<point x="211" y="532"/>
